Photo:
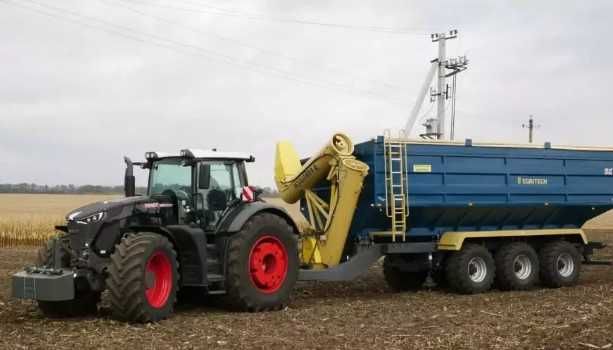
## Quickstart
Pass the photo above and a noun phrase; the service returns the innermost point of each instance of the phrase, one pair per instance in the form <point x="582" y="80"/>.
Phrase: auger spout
<point x="324" y="241"/>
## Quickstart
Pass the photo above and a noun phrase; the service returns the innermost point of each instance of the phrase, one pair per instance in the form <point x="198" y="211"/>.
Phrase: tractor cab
<point x="196" y="186"/>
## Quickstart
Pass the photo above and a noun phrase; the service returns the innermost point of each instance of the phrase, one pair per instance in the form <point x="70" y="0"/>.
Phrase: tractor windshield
<point x="170" y="174"/>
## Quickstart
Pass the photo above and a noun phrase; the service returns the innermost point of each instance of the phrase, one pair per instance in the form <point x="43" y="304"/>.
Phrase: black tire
<point x="463" y="267"/>
<point x="554" y="272"/>
<point x="131" y="281"/>
<point x="401" y="281"/>
<point x="246" y="291"/>
<point x="43" y="258"/>
<point x="85" y="302"/>
<point x="517" y="266"/>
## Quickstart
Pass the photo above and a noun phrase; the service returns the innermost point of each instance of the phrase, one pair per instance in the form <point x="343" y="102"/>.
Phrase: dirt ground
<point x="362" y="314"/>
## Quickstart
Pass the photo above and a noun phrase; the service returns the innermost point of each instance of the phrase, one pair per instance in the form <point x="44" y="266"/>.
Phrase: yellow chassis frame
<point x="455" y="240"/>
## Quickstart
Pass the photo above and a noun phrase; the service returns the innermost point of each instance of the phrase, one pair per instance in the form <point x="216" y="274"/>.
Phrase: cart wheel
<point x="517" y="266"/>
<point x="470" y="270"/>
<point x="560" y="264"/>
<point x="398" y="280"/>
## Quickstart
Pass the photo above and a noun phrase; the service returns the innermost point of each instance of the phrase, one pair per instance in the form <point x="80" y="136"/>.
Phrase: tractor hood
<point x="98" y="226"/>
<point x="113" y="205"/>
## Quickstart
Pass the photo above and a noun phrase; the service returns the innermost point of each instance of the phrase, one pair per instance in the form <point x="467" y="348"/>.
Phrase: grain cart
<point x="466" y="215"/>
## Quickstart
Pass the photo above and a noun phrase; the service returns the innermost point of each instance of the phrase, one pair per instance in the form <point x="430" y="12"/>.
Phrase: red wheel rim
<point x="158" y="278"/>
<point x="268" y="264"/>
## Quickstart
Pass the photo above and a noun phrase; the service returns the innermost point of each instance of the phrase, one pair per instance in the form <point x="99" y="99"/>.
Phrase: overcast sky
<point x="83" y="83"/>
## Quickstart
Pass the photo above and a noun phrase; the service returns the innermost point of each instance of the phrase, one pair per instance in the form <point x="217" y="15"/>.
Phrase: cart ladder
<point x="395" y="187"/>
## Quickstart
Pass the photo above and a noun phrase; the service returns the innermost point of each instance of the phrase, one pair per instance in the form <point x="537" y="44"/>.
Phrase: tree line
<point x="64" y="189"/>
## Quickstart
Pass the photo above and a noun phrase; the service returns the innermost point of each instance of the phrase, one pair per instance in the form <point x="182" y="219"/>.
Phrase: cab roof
<point x="200" y="154"/>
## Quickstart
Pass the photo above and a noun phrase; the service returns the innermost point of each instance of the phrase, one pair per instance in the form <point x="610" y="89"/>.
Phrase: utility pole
<point x="441" y="88"/>
<point x="443" y="68"/>
<point x="530" y="126"/>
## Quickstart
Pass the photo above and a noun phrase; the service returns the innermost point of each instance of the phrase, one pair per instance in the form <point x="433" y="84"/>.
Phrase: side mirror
<point x="204" y="176"/>
<point x="129" y="182"/>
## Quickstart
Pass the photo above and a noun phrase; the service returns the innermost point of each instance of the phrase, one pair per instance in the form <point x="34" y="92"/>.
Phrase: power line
<point x="183" y="48"/>
<point x="331" y="68"/>
<point x="263" y="17"/>
<point x="85" y="24"/>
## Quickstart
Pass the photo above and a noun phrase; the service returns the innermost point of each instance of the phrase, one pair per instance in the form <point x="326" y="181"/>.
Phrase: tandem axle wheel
<point x="512" y="266"/>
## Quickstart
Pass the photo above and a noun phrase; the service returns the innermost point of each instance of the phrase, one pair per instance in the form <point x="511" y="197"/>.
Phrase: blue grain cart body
<point x="464" y="187"/>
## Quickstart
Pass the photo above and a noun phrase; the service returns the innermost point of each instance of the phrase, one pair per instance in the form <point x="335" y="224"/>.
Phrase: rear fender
<point x="236" y="219"/>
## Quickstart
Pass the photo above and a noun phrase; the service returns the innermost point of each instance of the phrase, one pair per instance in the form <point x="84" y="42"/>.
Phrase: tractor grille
<point x="77" y="237"/>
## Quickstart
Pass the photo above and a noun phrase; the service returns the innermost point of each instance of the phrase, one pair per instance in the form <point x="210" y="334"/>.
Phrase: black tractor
<point x="199" y="225"/>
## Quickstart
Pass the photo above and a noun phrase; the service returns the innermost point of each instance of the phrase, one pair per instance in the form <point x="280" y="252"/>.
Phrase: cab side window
<point x="219" y="184"/>
<point x="224" y="177"/>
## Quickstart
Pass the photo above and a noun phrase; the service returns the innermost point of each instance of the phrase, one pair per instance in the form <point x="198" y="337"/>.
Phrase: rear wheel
<point x="560" y="264"/>
<point x="262" y="264"/>
<point x="85" y="302"/>
<point x="399" y="280"/>
<point x="143" y="278"/>
<point x="517" y="266"/>
<point x="470" y="270"/>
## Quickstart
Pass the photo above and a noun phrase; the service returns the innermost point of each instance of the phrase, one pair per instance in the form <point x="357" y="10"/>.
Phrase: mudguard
<point x="234" y="221"/>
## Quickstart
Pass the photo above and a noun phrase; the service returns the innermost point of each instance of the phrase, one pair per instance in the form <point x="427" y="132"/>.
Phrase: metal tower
<point x="443" y="68"/>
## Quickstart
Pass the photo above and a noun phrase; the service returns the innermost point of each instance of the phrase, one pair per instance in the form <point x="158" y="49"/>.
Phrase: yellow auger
<point x="329" y="222"/>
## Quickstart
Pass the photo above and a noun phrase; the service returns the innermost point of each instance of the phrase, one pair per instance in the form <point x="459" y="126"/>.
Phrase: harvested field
<point x="362" y="314"/>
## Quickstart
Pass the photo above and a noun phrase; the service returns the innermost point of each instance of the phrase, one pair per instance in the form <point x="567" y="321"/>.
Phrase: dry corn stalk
<point x="27" y="231"/>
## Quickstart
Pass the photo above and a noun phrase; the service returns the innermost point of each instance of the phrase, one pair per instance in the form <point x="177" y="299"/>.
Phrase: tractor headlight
<point x="91" y="218"/>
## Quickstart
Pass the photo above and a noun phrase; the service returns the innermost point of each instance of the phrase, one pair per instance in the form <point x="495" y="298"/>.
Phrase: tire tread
<point x="238" y="296"/>
<point x="84" y="303"/>
<point x="458" y="280"/>
<point x="125" y="280"/>
<point x="401" y="281"/>
<point x="548" y="256"/>
<point x="505" y="258"/>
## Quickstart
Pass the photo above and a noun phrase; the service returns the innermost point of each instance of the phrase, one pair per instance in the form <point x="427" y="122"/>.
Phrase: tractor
<point x="200" y="224"/>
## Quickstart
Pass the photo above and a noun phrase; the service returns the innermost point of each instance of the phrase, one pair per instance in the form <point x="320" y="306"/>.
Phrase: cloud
<point x="74" y="99"/>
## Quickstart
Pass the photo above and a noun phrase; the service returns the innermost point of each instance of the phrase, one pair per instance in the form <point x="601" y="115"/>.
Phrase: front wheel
<point x="142" y="278"/>
<point x="262" y="264"/>
<point x="85" y="301"/>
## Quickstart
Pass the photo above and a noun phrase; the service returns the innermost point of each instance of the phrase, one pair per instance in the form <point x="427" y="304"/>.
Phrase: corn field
<point x="22" y="231"/>
<point x="30" y="219"/>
